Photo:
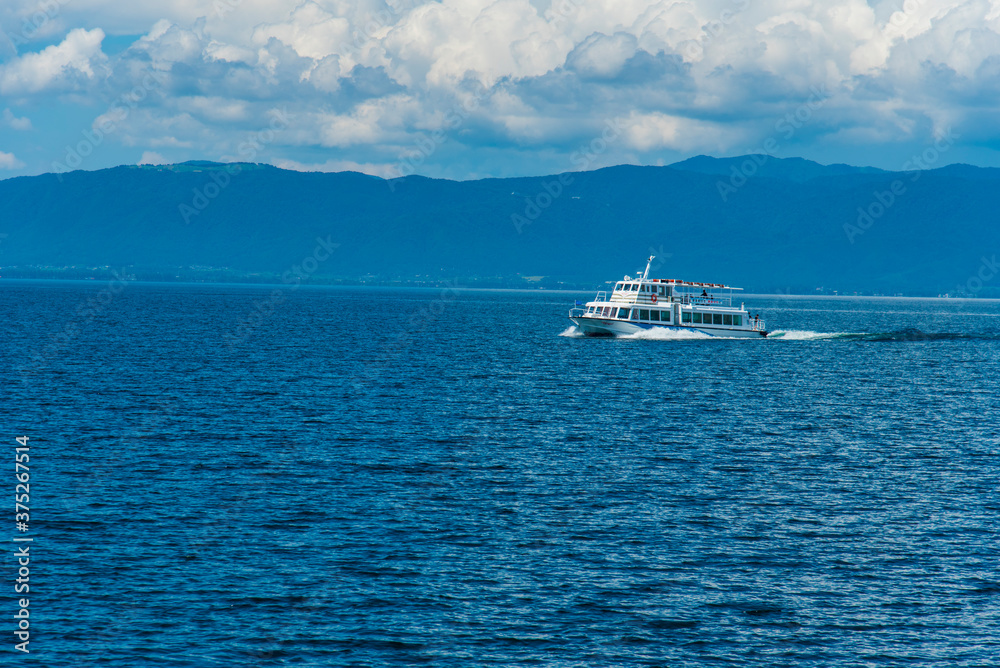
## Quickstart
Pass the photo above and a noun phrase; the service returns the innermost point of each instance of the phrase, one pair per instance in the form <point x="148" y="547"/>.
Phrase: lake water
<point x="255" y="476"/>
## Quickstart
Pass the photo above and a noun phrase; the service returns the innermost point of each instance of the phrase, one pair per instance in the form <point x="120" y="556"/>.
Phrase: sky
<point x="470" y="89"/>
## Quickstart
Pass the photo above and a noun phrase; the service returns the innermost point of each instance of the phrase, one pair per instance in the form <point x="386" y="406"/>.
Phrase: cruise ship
<point x="643" y="303"/>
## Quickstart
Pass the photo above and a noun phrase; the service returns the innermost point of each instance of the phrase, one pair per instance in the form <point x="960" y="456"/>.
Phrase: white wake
<point x="801" y="335"/>
<point x="572" y="332"/>
<point x="663" y="334"/>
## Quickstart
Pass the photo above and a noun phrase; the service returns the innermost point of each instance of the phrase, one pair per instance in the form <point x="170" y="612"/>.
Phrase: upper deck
<point x="669" y="291"/>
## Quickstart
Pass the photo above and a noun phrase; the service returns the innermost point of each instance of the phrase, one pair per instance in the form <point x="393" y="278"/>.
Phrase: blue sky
<point x="495" y="88"/>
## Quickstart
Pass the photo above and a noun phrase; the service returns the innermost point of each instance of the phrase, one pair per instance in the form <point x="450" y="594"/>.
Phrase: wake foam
<point x="663" y="334"/>
<point x="910" y="334"/>
<point x="806" y="335"/>
<point x="913" y="334"/>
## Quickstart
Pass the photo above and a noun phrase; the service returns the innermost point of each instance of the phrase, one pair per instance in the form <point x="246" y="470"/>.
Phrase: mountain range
<point x="757" y="221"/>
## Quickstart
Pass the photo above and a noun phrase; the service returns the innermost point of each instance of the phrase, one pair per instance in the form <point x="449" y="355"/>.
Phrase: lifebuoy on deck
<point x="652" y="299"/>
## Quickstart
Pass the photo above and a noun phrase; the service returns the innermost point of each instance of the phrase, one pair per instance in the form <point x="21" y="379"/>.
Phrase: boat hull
<point x="612" y="327"/>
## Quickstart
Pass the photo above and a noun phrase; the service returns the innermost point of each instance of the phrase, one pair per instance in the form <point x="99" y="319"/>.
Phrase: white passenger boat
<point x="643" y="303"/>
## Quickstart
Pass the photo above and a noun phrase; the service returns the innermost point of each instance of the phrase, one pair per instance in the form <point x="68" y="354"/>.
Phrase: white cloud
<point x="9" y="161"/>
<point x="603" y="56"/>
<point x="369" y="78"/>
<point x="152" y="158"/>
<point x="383" y="170"/>
<point x="214" y="108"/>
<point x="14" y="122"/>
<point x="361" y="127"/>
<point x="60" y="66"/>
<point x="310" y="30"/>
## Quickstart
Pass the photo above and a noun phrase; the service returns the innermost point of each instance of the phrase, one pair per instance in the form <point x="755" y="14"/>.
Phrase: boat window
<point x="665" y="316"/>
<point x="633" y="287"/>
<point x="697" y="317"/>
<point x="618" y="286"/>
<point x="668" y="290"/>
<point x="685" y="317"/>
<point x="635" y="314"/>
<point x="623" y="313"/>
<point x="738" y="320"/>
<point x="727" y="319"/>
<point x="643" y="314"/>
<point x="654" y="316"/>
<point x="718" y="318"/>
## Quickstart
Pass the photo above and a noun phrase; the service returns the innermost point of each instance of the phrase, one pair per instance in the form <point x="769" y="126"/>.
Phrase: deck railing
<point x="647" y="298"/>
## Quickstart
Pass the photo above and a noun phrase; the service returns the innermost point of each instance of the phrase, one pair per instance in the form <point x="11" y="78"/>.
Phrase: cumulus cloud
<point x="310" y="30"/>
<point x="152" y="158"/>
<point x="371" y="79"/>
<point x="9" y="161"/>
<point x="602" y="56"/>
<point x="14" y="122"/>
<point x="66" y="65"/>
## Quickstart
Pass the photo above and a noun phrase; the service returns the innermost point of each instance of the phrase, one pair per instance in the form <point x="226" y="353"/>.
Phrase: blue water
<point x="226" y="476"/>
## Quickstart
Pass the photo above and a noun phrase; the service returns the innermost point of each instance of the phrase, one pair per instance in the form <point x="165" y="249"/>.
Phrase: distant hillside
<point x="781" y="229"/>
<point x="790" y="169"/>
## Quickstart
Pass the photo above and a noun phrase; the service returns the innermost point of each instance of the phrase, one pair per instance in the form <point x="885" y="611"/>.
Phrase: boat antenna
<point x="646" y="273"/>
